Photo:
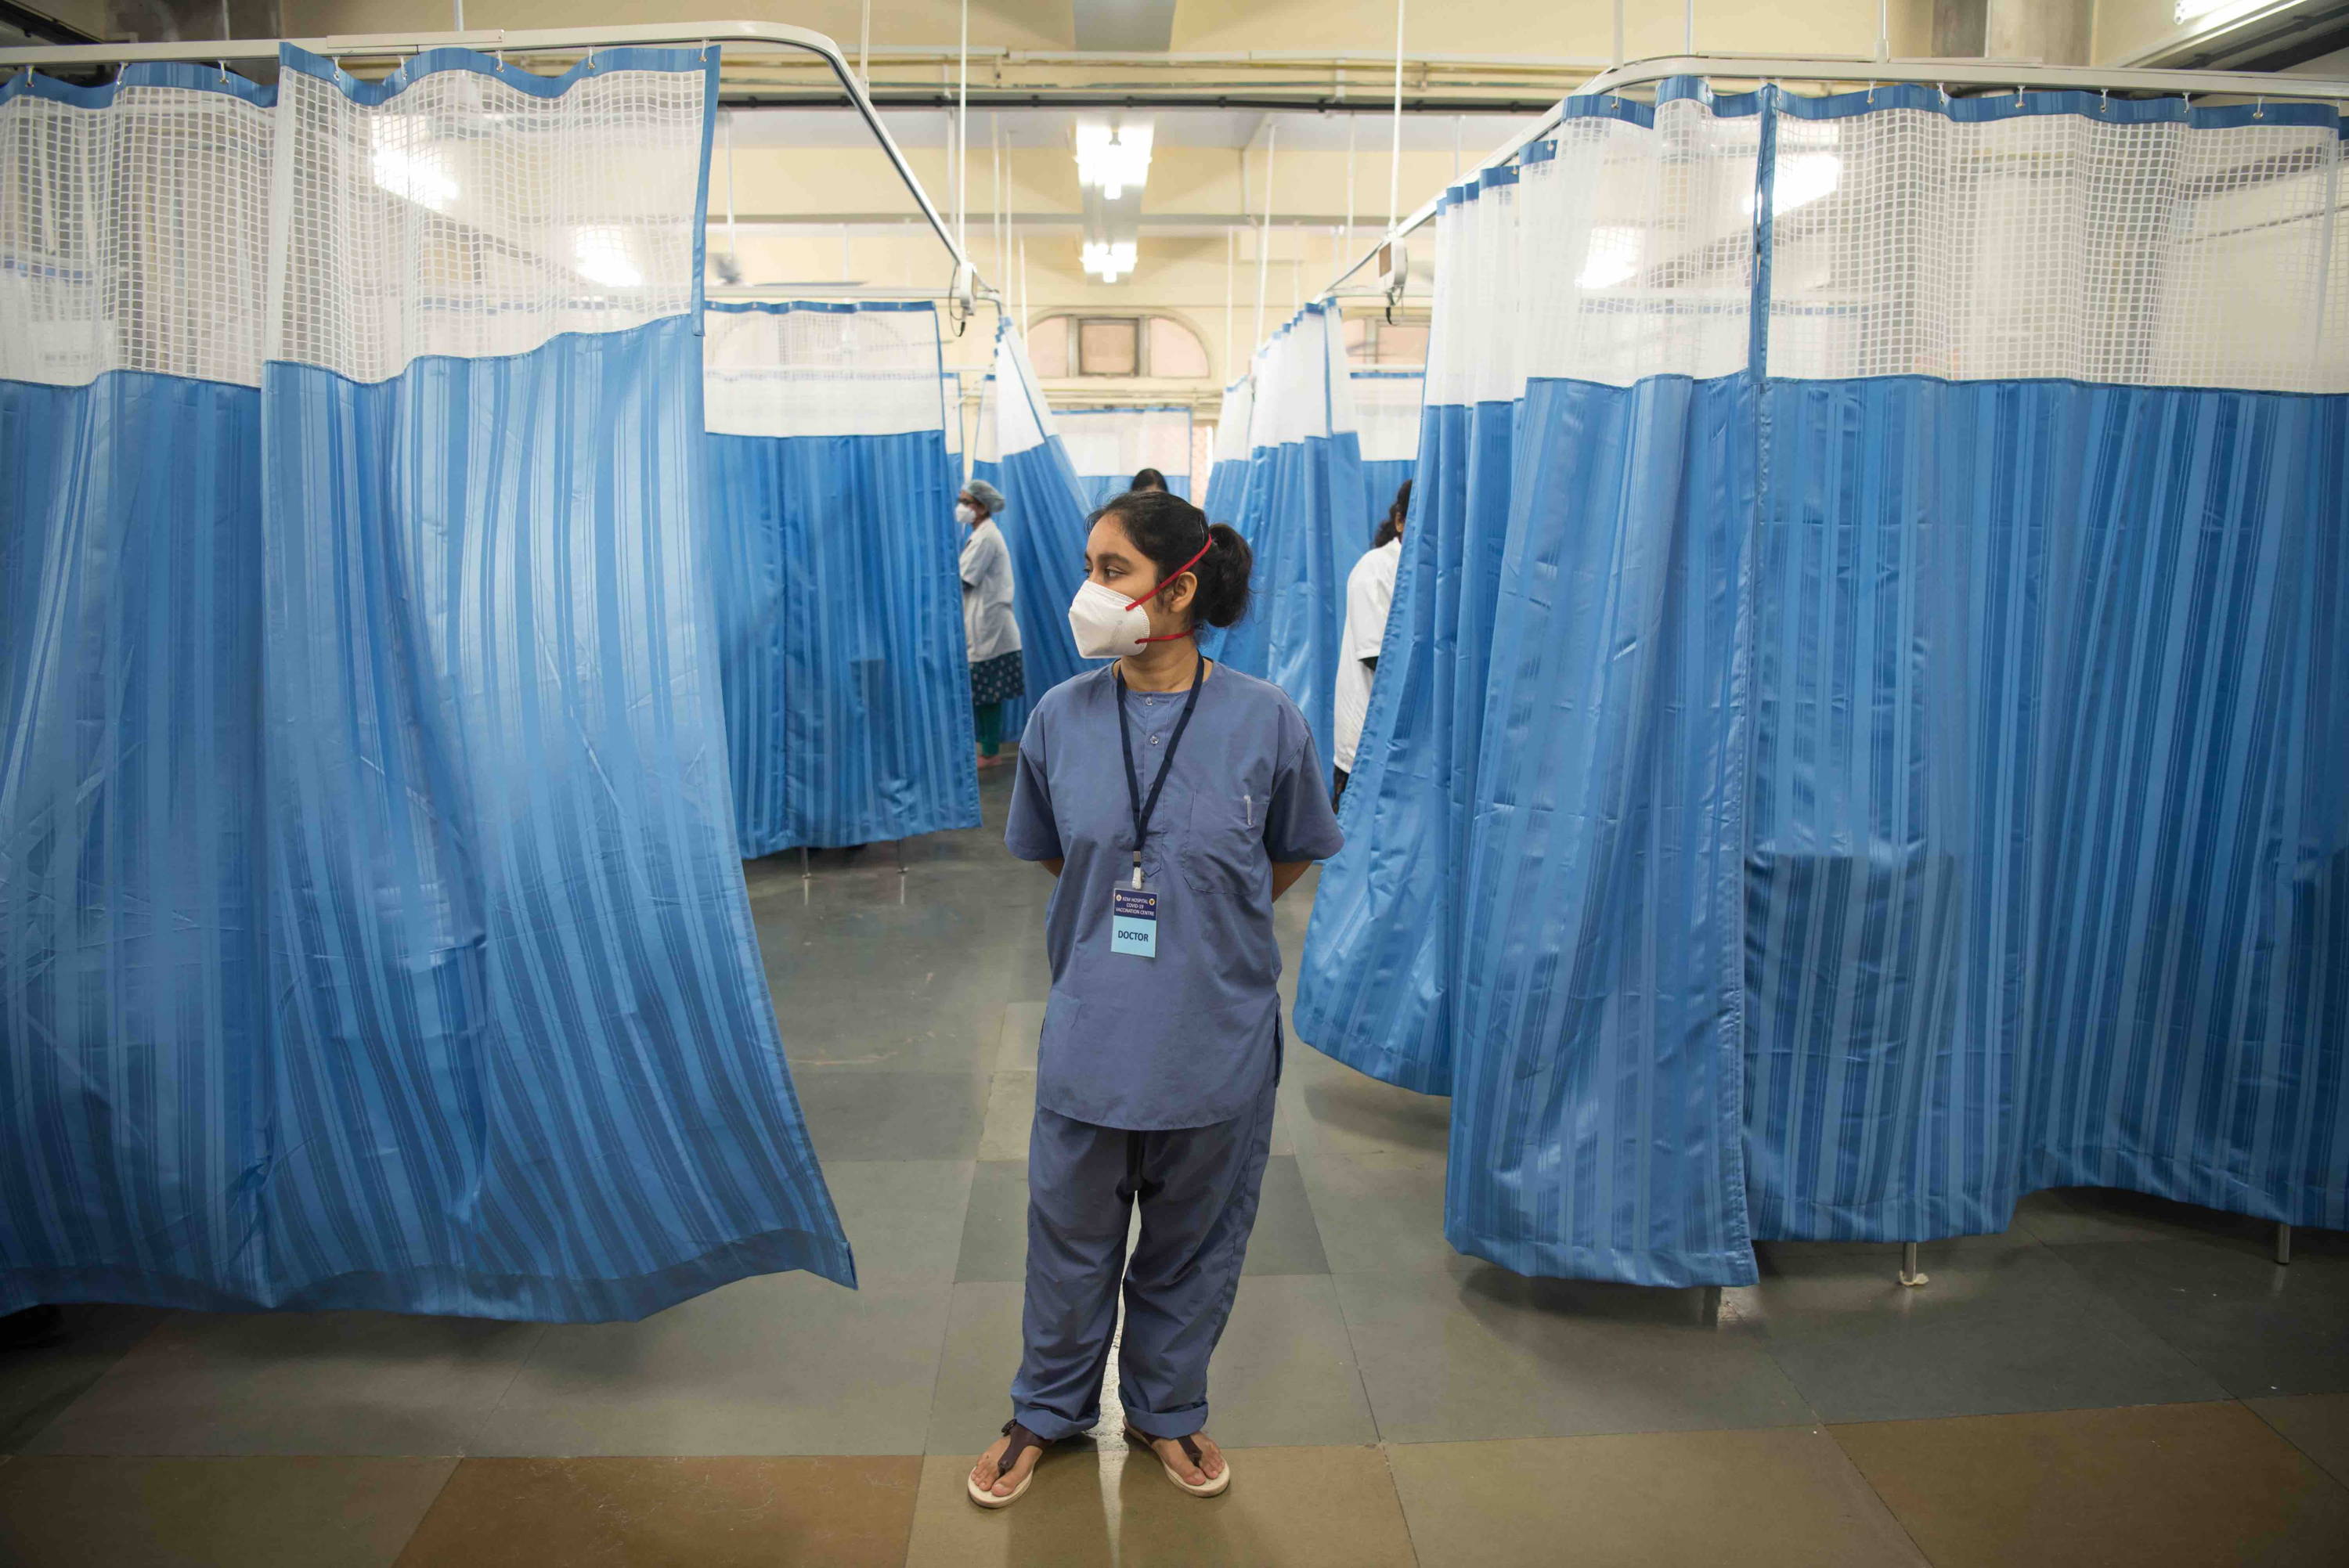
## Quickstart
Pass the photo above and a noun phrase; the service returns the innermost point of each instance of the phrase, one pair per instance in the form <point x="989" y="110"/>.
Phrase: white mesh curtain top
<point x="1113" y="444"/>
<point x="1232" y="422"/>
<point x="2068" y="235"/>
<point x="1300" y="387"/>
<point x="1013" y="417"/>
<point x="467" y="208"/>
<point x="824" y="368"/>
<point x="1626" y="252"/>
<point x="98" y="276"/>
<point x="1387" y="406"/>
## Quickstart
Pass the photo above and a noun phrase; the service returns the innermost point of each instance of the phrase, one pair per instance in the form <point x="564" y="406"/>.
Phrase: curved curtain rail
<point x="522" y="40"/>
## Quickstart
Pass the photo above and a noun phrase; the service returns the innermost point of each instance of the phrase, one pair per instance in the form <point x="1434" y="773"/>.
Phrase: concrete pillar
<point x="175" y="21"/>
<point x="1958" y="29"/>
<point x="2055" y="31"/>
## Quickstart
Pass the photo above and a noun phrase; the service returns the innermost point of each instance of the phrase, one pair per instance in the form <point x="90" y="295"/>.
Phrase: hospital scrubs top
<point x="1186" y="1039"/>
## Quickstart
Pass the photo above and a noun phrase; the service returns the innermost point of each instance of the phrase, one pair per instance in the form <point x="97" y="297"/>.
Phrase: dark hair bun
<point x="1169" y="531"/>
<point x="1224" y="573"/>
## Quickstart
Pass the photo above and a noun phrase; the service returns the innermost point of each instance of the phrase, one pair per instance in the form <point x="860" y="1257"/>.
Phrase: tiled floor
<point x="2115" y="1381"/>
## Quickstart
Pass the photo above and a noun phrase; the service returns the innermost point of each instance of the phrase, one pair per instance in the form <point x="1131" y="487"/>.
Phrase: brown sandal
<point x="1214" y="1488"/>
<point x="1022" y="1440"/>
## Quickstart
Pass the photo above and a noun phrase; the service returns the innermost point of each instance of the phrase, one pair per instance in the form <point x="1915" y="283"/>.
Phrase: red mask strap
<point x="1170" y="577"/>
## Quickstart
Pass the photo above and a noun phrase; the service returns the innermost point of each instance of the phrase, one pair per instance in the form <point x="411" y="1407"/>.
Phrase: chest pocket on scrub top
<point x="1223" y="851"/>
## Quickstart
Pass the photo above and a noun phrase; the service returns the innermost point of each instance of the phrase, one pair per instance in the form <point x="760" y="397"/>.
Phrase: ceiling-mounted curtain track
<point x="1882" y="73"/>
<point x="523" y="40"/>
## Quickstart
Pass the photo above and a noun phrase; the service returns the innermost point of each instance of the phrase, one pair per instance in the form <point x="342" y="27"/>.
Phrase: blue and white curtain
<point x="833" y="550"/>
<point x="1912" y="760"/>
<point x="1110" y="446"/>
<point x="371" y="931"/>
<point x="1301" y="513"/>
<point x="1227" y="477"/>
<point x="1387" y="404"/>
<point x="1019" y="451"/>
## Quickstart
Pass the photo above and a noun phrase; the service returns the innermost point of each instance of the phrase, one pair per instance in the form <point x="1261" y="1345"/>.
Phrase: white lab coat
<point x="987" y="623"/>
<point x="1370" y="594"/>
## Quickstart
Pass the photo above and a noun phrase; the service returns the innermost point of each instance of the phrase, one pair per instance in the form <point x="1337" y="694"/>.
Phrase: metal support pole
<point x="1264" y="236"/>
<point x="865" y="45"/>
<point x="1394" y="158"/>
<point x="1618" y="36"/>
<point x="1911" y="1275"/>
<point x="1688" y="28"/>
<point x="962" y="136"/>
<point x="2283" y="1244"/>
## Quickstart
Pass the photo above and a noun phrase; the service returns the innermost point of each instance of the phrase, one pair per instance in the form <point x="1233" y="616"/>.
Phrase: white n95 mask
<point x="965" y="513"/>
<point x="1104" y="625"/>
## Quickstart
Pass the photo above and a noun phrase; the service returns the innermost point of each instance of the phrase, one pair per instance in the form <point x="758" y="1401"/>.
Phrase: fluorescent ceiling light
<point x="1112" y="159"/>
<point x="2213" y="12"/>
<point x="1109" y="260"/>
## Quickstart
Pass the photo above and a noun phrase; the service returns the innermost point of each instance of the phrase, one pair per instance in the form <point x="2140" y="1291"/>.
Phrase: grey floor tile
<point x="891" y="1116"/>
<point x="1285" y="1240"/>
<point x="994" y="1226"/>
<point x="1285" y="1372"/>
<point x="2259" y="1329"/>
<point x="972" y="1397"/>
<point x="1494" y="1355"/>
<point x="903" y="1217"/>
<point x="35" y="1385"/>
<point x="1023" y="1030"/>
<point x="1341" y="1112"/>
<point x="2075" y="1214"/>
<point x="1380" y="1211"/>
<point x="2002" y="1326"/>
<point x="1010" y="1114"/>
<point x="784" y="1364"/>
<point x="357" y="1383"/>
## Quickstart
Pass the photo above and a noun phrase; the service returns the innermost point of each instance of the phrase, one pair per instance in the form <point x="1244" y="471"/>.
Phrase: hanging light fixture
<point x="1112" y="159"/>
<point x="1112" y="164"/>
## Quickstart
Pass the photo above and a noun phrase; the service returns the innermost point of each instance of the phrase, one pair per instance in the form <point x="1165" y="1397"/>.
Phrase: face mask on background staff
<point x="1107" y="627"/>
<point x="966" y="513"/>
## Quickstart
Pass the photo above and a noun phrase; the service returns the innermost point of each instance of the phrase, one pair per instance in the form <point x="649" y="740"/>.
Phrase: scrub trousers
<point x="1197" y="1190"/>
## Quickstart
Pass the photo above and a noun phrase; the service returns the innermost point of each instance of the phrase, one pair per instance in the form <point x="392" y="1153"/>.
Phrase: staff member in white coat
<point x="988" y="625"/>
<point x="1369" y="595"/>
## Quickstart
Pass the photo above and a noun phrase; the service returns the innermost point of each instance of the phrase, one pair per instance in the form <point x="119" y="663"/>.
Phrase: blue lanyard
<point x="1144" y="809"/>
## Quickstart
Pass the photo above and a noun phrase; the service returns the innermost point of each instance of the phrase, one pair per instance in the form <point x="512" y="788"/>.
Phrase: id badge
<point x="1134" y="922"/>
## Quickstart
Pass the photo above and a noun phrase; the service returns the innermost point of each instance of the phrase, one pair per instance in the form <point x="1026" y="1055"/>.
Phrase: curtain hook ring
<point x="223" y="70"/>
<point x="1872" y="92"/>
<point x="2105" y="100"/>
<point x="2260" y="112"/>
<point x="2018" y="95"/>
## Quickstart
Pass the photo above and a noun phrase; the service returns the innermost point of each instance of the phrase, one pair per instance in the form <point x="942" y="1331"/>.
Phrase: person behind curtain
<point x="1369" y="595"/>
<point x="987" y="623"/>
<point x="1174" y="799"/>
<point x="1147" y="479"/>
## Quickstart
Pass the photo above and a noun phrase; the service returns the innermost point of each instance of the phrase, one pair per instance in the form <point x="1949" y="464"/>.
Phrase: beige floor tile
<point x="1778" y="1498"/>
<point x="1299" y="1508"/>
<point x="212" y="1512"/>
<point x="841" y="1511"/>
<point x="2154" y="1486"/>
<point x="1010" y="1112"/>
<point x="2317" y="1424"/>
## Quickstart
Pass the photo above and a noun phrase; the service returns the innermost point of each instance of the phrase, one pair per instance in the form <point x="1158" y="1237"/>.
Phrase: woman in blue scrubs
<point x="1174" y="799"/>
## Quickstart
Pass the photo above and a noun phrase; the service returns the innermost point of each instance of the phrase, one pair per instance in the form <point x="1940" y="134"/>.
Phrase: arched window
<point x="1116" y="342"/>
